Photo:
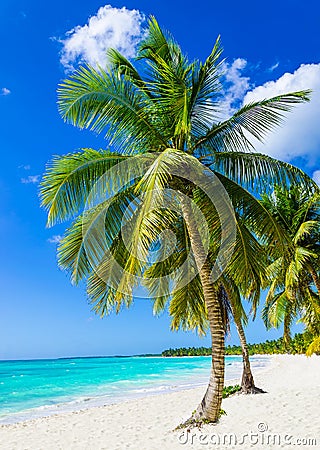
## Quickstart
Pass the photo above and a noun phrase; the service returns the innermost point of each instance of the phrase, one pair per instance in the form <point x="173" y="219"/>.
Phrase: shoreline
<point x="289" y="408"/>
<point x="130" y="356"/>
<point x="89" y="401"/>
<point x="174" y="390"/>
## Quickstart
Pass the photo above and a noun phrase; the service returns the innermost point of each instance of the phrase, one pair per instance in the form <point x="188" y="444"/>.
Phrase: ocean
<point x="35" y="388"/>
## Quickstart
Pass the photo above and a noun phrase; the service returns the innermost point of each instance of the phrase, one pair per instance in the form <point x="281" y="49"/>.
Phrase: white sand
<point x="287" y="415"/>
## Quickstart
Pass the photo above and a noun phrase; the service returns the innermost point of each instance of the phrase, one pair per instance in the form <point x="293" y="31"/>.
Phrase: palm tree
<point x="248" y="264"/>
<point x="293" y="281"/>
<point x="166" y="110"/>
<point x="240" y="319"/>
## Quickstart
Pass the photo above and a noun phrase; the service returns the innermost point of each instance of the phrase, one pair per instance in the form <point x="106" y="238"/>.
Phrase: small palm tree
<point x="240" y="319"/>
<point x="191" y="314"/>
<point x="166" y="110"/>
<point x="293" y="280"/>
<point x="248" y="264"/>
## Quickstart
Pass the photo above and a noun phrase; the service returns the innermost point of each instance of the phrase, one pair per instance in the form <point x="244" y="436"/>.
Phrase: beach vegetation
<point x="293" y="277"/>
<point x="299" y="344"/>
<point x="230" y="390"/>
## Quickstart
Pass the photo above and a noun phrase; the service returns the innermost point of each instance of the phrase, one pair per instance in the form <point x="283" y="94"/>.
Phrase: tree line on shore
<point x="298" y="345"/>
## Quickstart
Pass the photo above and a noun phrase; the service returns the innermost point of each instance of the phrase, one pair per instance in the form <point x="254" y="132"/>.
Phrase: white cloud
<point x="316" y="176"/>
<point x="299" y="136"/>
<point x="110" y="27"/>
<point x="235" y="86"/>
<point x="273" y="67"/>
<point x="5" y="91"/>
<point x="33" y="179"/>
<point x="55" y="239"/>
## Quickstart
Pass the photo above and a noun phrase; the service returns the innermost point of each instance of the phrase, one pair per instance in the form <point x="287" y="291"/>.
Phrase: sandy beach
<point x="287" y="416"/>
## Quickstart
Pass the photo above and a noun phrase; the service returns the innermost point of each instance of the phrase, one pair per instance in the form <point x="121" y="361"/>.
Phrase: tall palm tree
<point x="294" y="288"/>
<point x="166" y="110"/>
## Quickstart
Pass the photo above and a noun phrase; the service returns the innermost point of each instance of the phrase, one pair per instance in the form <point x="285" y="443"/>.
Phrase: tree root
<point x="197" y="421"/>
<point x="252" y="390"/>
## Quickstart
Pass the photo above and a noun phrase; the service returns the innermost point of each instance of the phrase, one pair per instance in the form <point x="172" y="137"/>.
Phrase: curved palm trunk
<point x="209" y="408"/>
<point x="247" y="381"/>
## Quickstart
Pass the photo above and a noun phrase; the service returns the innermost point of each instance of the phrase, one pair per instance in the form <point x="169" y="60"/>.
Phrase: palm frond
<point x="206" y="88"/>
<point x="103" y="102"/>
<point x="252" y="120"/>
<point x="257" y="172"/>
<point x="157" y="42"/>
<point x="310" y="311"/>
<point x="306" y="229"/>
<point x="256" y="216"/>
<point x="298" y="264"/>
<point x="275" y="268"/>
<point x="246" y="265"/>
<point x="89" y="238"/>
<point x="69" y="179"/>
<point x="124" y="67"/>
<point x="274" y="310"/>
<point x="314" y="347"/>
<point x="187" y="308"/>
<point x="104" y="298"/>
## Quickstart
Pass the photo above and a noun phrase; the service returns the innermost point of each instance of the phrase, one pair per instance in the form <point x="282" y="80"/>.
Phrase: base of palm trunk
<point x="202" y="415"/>
<point x="247" y="384"/>
<point x="198" y="419"/>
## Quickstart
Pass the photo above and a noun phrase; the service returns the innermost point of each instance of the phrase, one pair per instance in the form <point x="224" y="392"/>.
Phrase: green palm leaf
<point x="206" y="88"/>
<point x="101" y="101"/>
<point x="69" y="179"/>
<point x="254" y="119"/>
<point x="256" y="171"/>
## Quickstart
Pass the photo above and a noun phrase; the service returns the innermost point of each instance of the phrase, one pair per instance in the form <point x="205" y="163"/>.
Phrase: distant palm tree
<point x="294" y="287"/>
<point x="167" y="113"/>
<point x="240" y="319"/>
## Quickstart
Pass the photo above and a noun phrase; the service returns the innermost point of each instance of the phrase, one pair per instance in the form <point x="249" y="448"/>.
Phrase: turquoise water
<point x="36" y="388"/>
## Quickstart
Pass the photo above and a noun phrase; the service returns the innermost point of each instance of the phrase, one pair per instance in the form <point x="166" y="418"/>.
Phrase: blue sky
<point x="270" y="48"/>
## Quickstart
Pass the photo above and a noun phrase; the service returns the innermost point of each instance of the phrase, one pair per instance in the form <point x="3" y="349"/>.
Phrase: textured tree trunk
<point x="209" y="408"/>
<point x="247" y="381"/>
<point x="286" y="330"/>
